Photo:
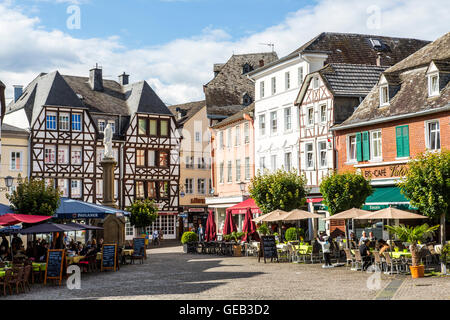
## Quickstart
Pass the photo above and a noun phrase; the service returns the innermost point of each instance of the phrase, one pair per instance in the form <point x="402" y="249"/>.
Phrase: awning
<point x="385" y="197"/>
<point x="77" y="209"/>
<point x="314" y="200"/>
<point x="241" y="208"/>
<point x="10" y="219"/>
<point x="49" y="228"/>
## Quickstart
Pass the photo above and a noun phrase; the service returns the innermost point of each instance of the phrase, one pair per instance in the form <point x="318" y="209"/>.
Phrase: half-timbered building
<point x="67" y="116"/>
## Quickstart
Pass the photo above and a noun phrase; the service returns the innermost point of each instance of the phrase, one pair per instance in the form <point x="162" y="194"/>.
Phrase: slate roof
<point x="6" y="128"/>
<point x="223" y="111"/>
<point x="54" y="89"/>
<point x="236" y="117"/>
<point x="188" y="110"/>
<point x="356" y="49"/>
<point x="412" y="96"/>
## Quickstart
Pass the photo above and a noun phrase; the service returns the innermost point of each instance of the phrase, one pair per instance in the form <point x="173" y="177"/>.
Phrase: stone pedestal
<point x="108" y="165"/>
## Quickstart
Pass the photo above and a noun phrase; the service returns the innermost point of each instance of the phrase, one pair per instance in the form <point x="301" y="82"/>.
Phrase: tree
<point x="279" y="190"/>
<point x="143" y="213"/>
<point x="33" y="196"/>
<point x="427" y="185"/>
<point x="344" y="191"/>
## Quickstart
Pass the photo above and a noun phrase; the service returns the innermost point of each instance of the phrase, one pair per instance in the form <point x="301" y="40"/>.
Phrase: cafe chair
<point x="377" y="261"/>
<point x="17" y="279"/>
<point x="138" y="256"/>
<point x="6" y="281"/>
<point x="26" y="277"/>
<point x="316" y="254"/>
<point x="293" y="255"/>
<point x="350" y="259"/>
<point x="391" y="264"/>
<point x="358" y="261"/>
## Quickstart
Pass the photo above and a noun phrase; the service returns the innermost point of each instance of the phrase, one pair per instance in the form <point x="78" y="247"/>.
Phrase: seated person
<point x="82" y="250"/>
<point x="382" y="247"/>
<point x="363" y="238"/>
<point x="372" y="238"/>
<point x="3" y="254"/>
<point x="365" y="254"/>
<point x="30" y="250"/>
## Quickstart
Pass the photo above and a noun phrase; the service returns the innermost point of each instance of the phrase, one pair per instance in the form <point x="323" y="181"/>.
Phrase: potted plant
<point x="189" y="240"/>
<point x="291" y="235"/>
<point x="413" y="235"/>
<point x="263" y="229"/>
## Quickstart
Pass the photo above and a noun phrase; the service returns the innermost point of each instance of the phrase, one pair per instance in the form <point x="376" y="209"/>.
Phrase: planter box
<point x="237" y="250"/>
<point x="417" y="272"/>
<point x="190" y="247"/>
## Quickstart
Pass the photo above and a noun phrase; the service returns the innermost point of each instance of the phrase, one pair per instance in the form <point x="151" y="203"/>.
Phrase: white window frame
<point x="316" y="82"/>
<point x="15" y="153"/>
<point x="66" y="150"/>
<point x="372" y="148"/>
<point x="53" y="149"/>
<point x="66" y="126"/>
<point x="349" y="153"/>
<point x="384" y="88"/>
<point x="237" y="135"/>
<point x="238" y="170"/>
<point x="76" y="149"/>
<point x="306" y="155"/>
<point x="189" y="185"/>
<point x="198" y="136"/>
<point x="229" y="171"/>
<point x="431" y="92"/>
<point x="287" y="119"/>
<point x="262" y="124"/>
<point x="308" y="118"/>
<point x="229" y="135"/>
<point x="221" y="172"/>
<point x="287" y="80"/>
<point x="300" y="76"/>
<point x="261" y="89"/>
<point x="101" y="125"/>
<point x="321" y="151"/>
<point x="262" y="163"/>
<point x="273" y="162"/>
<point x="323" y="113"/>
<point x="201" y="186"/>
<point x="221" y="145"/>
<point x="54" y="121"/>
<point x="78" y="182"/>
<point x="428" y="134"/>
<point x="113" y="125"/>
<point x="288" y="164"/>
<point x="246" y="133"/>
<point x="273" y="82"/>
<point x="272" y="119"/>
<point x="247" y="168"/>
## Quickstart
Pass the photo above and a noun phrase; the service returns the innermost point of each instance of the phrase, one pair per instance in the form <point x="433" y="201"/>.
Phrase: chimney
<point x="261" y="63"/>
<point x="18" y="90"/>
<point x="179" y="113"/>
<point x="123" y="79"/>
<point x="378" y="59"/>
<point x="96" y="78"/>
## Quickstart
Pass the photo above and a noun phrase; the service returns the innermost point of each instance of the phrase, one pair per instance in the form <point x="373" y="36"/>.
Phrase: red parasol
<point x="229" y="226"/>
<point x="10" y="219"/>
<point x="210" y="230"/>
<point x="249" y="226"/>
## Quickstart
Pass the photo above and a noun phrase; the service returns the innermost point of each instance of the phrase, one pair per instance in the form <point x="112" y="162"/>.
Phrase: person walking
<point x="155" y="237"/>
<point x="200" y="233"/>
<point x="326" y="249"/>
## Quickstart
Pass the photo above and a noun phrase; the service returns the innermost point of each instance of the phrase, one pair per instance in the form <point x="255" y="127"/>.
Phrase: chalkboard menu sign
<point x="138" y="244"/>
<point x="55" y="263"/>
<point x="109" y="256"/>
<point x="268" y="248"/>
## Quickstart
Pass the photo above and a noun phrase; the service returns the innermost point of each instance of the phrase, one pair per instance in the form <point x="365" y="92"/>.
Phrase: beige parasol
<point x="391" y="214"/>
<point x="298" y="214"/>
<point x="348" y="214"/>
<point x="271" y="216"/>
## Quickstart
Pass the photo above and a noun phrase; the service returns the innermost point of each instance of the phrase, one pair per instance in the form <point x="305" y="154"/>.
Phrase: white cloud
<point x="178" y="69"/>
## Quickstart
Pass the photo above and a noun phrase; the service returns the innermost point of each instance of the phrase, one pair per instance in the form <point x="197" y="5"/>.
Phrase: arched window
<point x="246" y="68"/>
<point x="246" y="99"/>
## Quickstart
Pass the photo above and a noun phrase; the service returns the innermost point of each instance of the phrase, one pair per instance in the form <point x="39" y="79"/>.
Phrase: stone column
<point x="108" y="165"/>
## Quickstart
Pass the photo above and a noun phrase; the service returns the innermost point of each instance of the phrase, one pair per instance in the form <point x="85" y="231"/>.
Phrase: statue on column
<point x="107" y="142"/>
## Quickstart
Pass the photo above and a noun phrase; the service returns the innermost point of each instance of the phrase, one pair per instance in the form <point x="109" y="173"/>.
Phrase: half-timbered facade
<point x="67" y="116"/>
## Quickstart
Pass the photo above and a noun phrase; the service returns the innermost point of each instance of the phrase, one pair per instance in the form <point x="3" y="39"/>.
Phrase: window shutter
<point x="358" y="147"/>
<point x="399" y="139"/>
<point x="366" y="153"/>
<point x="405" y="141"/>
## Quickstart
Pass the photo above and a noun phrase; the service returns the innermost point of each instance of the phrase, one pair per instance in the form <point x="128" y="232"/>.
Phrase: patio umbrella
<point x="210" y="229"/>
<point x="10" y="219"/>
<point x="229" y="226"/>
<point x="275" y="215"/>
<point x="391" y="214"/>
<point x="249" y="227"/>
<point x="10" y="230"/>
<point x="83" y="226"/>
<point x="49" y="228"/>
<point x="298" y="214"/>
<point x="348" y="214"/>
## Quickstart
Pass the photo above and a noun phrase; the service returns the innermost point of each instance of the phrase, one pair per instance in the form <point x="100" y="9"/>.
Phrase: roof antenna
<point x="269" y="44"/>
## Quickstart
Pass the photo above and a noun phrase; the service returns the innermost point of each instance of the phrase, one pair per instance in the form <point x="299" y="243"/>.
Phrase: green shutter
<point x="365" y="143"/>
<point x="358" y="147"/>
<point x="402" y="138"/>
<point x="406" y="141"/>
<point x="399" y="139"/>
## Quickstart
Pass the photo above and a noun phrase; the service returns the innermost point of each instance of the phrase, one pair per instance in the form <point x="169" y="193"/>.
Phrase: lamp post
<point x="242" y="187"/>
<point x="9" y="181"/>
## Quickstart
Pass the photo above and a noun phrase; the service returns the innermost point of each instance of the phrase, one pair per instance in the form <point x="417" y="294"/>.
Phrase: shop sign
<point x="386" y="172"/>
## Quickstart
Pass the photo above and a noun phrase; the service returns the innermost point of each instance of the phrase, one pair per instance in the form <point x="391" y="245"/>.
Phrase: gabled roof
<point x="355" y="49"/>
<point x="236" y="117"/>
<point x="54" y="89"/>
<point x="6" y="128"/>
<point x="188" y="110"/>
<point x="437" y="50"/>
<point x="344" y="79"/>
<point x="412" y="98"/>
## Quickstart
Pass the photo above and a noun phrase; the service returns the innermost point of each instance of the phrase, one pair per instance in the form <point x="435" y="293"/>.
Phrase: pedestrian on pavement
<point x="200" y="233"/>
<point x="326" y="249"/>
<point x="365" y="254"/>
<point x="155" y="237"/>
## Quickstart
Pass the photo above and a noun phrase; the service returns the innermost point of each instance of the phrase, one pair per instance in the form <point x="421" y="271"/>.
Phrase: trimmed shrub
<point x="189" y="236"/>
<point x="291" y="234"/>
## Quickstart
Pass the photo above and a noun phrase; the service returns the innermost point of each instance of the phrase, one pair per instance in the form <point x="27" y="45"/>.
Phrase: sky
<point x="173" y="44"/>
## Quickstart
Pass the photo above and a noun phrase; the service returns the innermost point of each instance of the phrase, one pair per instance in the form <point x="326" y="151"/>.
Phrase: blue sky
<point x="173" y="44"/>
<point x="152" y="22"/>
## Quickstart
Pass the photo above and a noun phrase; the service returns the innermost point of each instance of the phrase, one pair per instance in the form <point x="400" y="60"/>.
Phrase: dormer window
<point x="433" y="85"/>
<point x="246" y="99"/>
<point x="246" y="68"/>
<point x="384" y="95"/>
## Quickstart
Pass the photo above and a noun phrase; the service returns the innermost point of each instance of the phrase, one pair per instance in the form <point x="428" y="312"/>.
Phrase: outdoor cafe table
<point x="39" y="266"/>
<point x="74" y="260"/>
<point x="400" y="254"/>
<point x="303" y="248"/>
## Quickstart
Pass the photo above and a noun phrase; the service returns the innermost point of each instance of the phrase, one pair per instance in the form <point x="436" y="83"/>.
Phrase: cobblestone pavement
<point x="170" y="274"/>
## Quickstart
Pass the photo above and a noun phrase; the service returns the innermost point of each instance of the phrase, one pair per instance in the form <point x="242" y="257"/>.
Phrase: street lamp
<point x="9" y="181"/>
<point x="242" y="187"/>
